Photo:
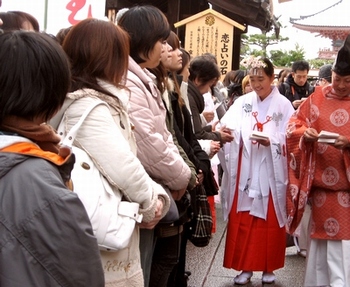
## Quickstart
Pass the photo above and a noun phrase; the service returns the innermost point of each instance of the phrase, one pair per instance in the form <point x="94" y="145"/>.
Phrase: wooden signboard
<point x="211" y="32"/>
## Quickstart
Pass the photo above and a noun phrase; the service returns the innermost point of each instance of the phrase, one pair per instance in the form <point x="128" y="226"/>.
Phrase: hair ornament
<point x="252" y="62"/>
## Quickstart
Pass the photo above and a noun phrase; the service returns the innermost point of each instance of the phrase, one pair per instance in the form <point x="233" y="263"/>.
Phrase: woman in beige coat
<point x="98" y="51"/>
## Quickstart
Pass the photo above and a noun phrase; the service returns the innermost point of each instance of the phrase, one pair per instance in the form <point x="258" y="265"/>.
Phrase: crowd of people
<point x="161" y="123"/>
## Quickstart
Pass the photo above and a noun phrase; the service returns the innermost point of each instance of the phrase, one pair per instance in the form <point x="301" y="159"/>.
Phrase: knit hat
<point x="342" y="63"/>
<point x="325" y="72"/>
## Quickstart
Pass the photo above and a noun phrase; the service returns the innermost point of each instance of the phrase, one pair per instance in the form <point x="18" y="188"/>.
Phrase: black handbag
<point x="200" y="227"/>
<point x="179" y="212"/>
<point x="173" y="214"/>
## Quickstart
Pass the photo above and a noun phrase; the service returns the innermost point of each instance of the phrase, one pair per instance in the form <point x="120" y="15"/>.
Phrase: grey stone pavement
<point x="207" y="271"/>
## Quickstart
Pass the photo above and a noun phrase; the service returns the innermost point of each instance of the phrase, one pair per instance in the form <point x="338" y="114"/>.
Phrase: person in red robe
<point x="319" y="173"/>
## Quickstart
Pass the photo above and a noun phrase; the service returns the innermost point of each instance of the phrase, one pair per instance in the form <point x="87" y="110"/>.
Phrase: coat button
<point x="85" y="165"/>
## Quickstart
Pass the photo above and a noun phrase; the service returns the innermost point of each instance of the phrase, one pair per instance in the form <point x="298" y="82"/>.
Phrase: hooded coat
<point x="46" y="238"/>
<point x="294" y="92"/>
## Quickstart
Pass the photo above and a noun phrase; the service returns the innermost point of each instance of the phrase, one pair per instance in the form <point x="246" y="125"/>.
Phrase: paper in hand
<point x="256" y="135"/>
<point x="327" y="137"/>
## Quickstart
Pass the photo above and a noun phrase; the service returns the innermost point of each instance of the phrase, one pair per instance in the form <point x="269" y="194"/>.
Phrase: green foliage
<point x="262" y="41"/>
<point x="317" y="63"/>
<point x="256" y="44"/>
<point x="286" y="58"/>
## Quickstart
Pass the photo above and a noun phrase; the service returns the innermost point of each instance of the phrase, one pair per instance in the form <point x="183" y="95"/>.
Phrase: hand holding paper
<point x="260" y="137"/>
<point x="327" y="137"/>
<point x="256" y="135"/>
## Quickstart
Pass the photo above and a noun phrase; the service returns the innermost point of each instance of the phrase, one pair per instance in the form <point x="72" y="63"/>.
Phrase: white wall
<point x="59" y="13"/>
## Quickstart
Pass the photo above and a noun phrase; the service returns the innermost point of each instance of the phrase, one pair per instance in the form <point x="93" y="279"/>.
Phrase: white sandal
<point x="268" y="277"/>
<point x="243" y="278"/>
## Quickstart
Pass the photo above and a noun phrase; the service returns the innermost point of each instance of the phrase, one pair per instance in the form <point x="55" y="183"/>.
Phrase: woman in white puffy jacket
<point x="98" y="51"/>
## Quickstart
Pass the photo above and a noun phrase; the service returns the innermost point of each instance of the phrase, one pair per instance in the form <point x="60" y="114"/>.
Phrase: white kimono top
<point x="263" y="169"/>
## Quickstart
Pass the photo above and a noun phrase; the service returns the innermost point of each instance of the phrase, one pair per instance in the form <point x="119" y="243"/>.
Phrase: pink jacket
<point x="155" y="146"/>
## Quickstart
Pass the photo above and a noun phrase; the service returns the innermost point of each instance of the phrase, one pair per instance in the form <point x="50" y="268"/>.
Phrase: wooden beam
<point x="173" y="14"/>
<point x="210" y="11"/>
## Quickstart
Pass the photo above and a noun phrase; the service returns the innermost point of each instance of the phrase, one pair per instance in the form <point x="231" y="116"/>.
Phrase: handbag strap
<point x="70" y="137"/>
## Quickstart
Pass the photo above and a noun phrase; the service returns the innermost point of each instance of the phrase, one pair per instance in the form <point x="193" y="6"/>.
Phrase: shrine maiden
<point x="255" y="177"/>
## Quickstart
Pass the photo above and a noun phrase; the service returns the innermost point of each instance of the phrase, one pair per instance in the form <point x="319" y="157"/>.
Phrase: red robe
<point x="320" y="172"/>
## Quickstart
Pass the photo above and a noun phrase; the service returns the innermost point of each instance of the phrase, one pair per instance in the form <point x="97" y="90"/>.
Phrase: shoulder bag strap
<point x="70" y="137"/>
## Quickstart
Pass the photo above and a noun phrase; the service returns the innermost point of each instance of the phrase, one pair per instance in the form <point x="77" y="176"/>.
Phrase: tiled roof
<point x="335" y="16"/>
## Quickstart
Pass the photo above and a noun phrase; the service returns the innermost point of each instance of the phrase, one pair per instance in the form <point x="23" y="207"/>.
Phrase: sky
<point x="58" y="18"/>
<point x="310" y="42"/>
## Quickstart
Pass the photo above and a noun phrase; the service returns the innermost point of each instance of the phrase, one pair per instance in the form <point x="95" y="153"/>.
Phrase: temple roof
<point x="331" y="22"/>
<point x="256" y="13"/>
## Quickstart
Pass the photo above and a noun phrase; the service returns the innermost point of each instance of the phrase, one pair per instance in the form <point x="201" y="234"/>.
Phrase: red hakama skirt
<point x="252" y="243"/>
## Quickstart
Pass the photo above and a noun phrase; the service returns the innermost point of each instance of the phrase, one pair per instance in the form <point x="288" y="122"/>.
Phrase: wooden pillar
<point x="173" y="13"/>
<point x="237" y="37"/>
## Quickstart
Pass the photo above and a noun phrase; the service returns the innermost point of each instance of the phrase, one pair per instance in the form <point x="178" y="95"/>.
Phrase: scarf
<point x="196" y="95"/>
<point x="43" y="135"/>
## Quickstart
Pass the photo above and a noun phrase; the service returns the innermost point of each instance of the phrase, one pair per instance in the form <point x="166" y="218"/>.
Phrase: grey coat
<point x="46" y="238"/>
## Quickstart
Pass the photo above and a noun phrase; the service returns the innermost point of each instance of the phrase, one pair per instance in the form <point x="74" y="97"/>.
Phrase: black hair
<point x="146" y="25"/>
<point x="203" y="69"/>
<point x="34" y="75"/>
<point x="269" y="69"/>
<point x="234" y="77"/>
<point x="300" y="65"/>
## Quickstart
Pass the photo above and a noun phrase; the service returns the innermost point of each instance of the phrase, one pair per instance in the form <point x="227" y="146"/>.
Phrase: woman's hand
<point x="226" y="135"/>
<point x="209" y="116"/>
<point x="264" y="142"/>
<point x="200" y="177"/>
<point x="157" y="216"/>
<point x="213" y="126"/>
<point x="214" y="148"/>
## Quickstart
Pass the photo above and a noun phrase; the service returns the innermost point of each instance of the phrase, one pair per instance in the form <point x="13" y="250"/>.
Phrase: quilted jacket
<point x="155" y="146"/>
